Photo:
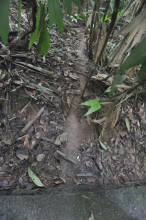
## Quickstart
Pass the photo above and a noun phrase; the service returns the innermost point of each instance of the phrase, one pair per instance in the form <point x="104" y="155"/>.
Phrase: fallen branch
<point x="36" y="87"/>
<point x="33" y="120"/>
<point x="35" y="68"/>
<point x="65" y="157"/>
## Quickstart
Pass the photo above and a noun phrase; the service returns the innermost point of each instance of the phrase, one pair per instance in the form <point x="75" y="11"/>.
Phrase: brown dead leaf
<point x="50" y="74"/>
<point x="87" y="163"/>
<point x="45" y="127"/>
<point x="89" y="120"/>
<point x="76" y="181"/>
<point x="91" y="179"/>
<point x="73" y="76"/>
<point x="68" y="101"/>
<point x="26" y="143"/>
<point x="58" y="182"/>
<point x="57" y="141"/>
<point x="22" y="156"/>
<point x="40" y="157"/>
<point x="37" y="135"/>
<point x="1" y="85"/>
<point x="42" y="122"/>
<point x="33" y="142"/>
<point x="98" y="162"/>
<point x="92" y="216"/>
<point x="53" y="123"/>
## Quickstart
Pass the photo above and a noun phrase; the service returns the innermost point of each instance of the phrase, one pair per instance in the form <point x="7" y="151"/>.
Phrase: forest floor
<point x="43" y="125"/>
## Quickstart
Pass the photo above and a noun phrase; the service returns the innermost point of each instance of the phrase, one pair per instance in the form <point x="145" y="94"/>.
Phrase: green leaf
<point x="117" y="80"/>
<point x="44" y="40"/>
<point x="19" y="16"/>
<point x="137" y="56"/>
<point x="68" y="6"/>
<point x="77" y="3"/>
<point x="95" y="105"/>
<point x="34" y="178"/>
<point x="102" y="145"/>
<point x="4" y="20"/>
<point x="36" y="33"/>
<point x="55" y="14"/>
<point x="122" y="174"/>
<point x="127" y="124"/>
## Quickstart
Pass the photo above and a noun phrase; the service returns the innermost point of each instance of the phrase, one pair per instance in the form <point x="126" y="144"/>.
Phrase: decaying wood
<point x="85" y="174"/>
<point x="65" y="157"/>
<point x="35" y="87"/>
<point x="35" y="68"/>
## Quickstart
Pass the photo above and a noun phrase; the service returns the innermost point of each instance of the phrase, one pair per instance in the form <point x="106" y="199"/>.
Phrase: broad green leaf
<point x="35" y="34"/>
<point x="4" y="20"/>
<point x="44" y="40"/>
<point x="19" y="16"/>
<point x="95" y="105"/>
<point x="34" y="178"/>
<point x="55" y="14"/>
<point x="77" y="3"/>
<point x="117" y="80"/>
<point x="142" y="71"/>
<point x="68" y="5"/>
<point x="127" y="124"/>
<point x="102" y="145"/>
<point x="137" y="56"/>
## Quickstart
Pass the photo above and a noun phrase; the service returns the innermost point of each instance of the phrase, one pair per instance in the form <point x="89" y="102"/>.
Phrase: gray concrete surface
<point x="116" y="204"/>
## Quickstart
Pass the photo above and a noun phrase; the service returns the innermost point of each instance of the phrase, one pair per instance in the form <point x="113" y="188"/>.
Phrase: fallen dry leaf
<point x="87" y="163"/>
<point x="22" y="156"/>
<point x="40" y="157"/>
<point x="98" y="162"/>
<point x="68" y="101"/>
<point x="57" y="182"/>
<point x="33" y="142"/>
<point x="92" y="216"/>
<point x="57" y="141"/>
<point x="76" y="181"/>
<point x="42" y="122"/>
<point x="91" y="179"/>
<point x="73" y="76"/>
<point x="26" y="143"/>
<point x="37" y="135"/>
<point x="89" y="120"/>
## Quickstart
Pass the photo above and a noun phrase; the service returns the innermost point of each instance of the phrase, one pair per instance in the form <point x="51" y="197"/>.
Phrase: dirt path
<point x="76" y="131"/>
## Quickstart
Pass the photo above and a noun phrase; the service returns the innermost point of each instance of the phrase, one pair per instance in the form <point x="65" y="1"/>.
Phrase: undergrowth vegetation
<point x="117" y="47"/>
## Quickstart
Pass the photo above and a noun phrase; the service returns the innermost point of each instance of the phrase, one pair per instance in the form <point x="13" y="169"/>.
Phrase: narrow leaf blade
<point x="102" y="145"/>
<point x="55" y="14"/>
<point x="35" y="34"/>
<point x="91" y="103"/>
<point x="92" y="109"/>
<point x="34" y="178"/>
<point x="44" y="40"/>
<point x="118" y="80"/>
<point x="137" y="56"/>
<point x="68" y="6"/>
<point x="4" y="20"/>
<point x="94" y="104"/>
<point x="127" y="124"/>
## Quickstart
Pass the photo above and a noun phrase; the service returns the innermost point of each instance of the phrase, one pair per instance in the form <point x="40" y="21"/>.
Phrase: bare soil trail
<point x="77" y="131"/>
